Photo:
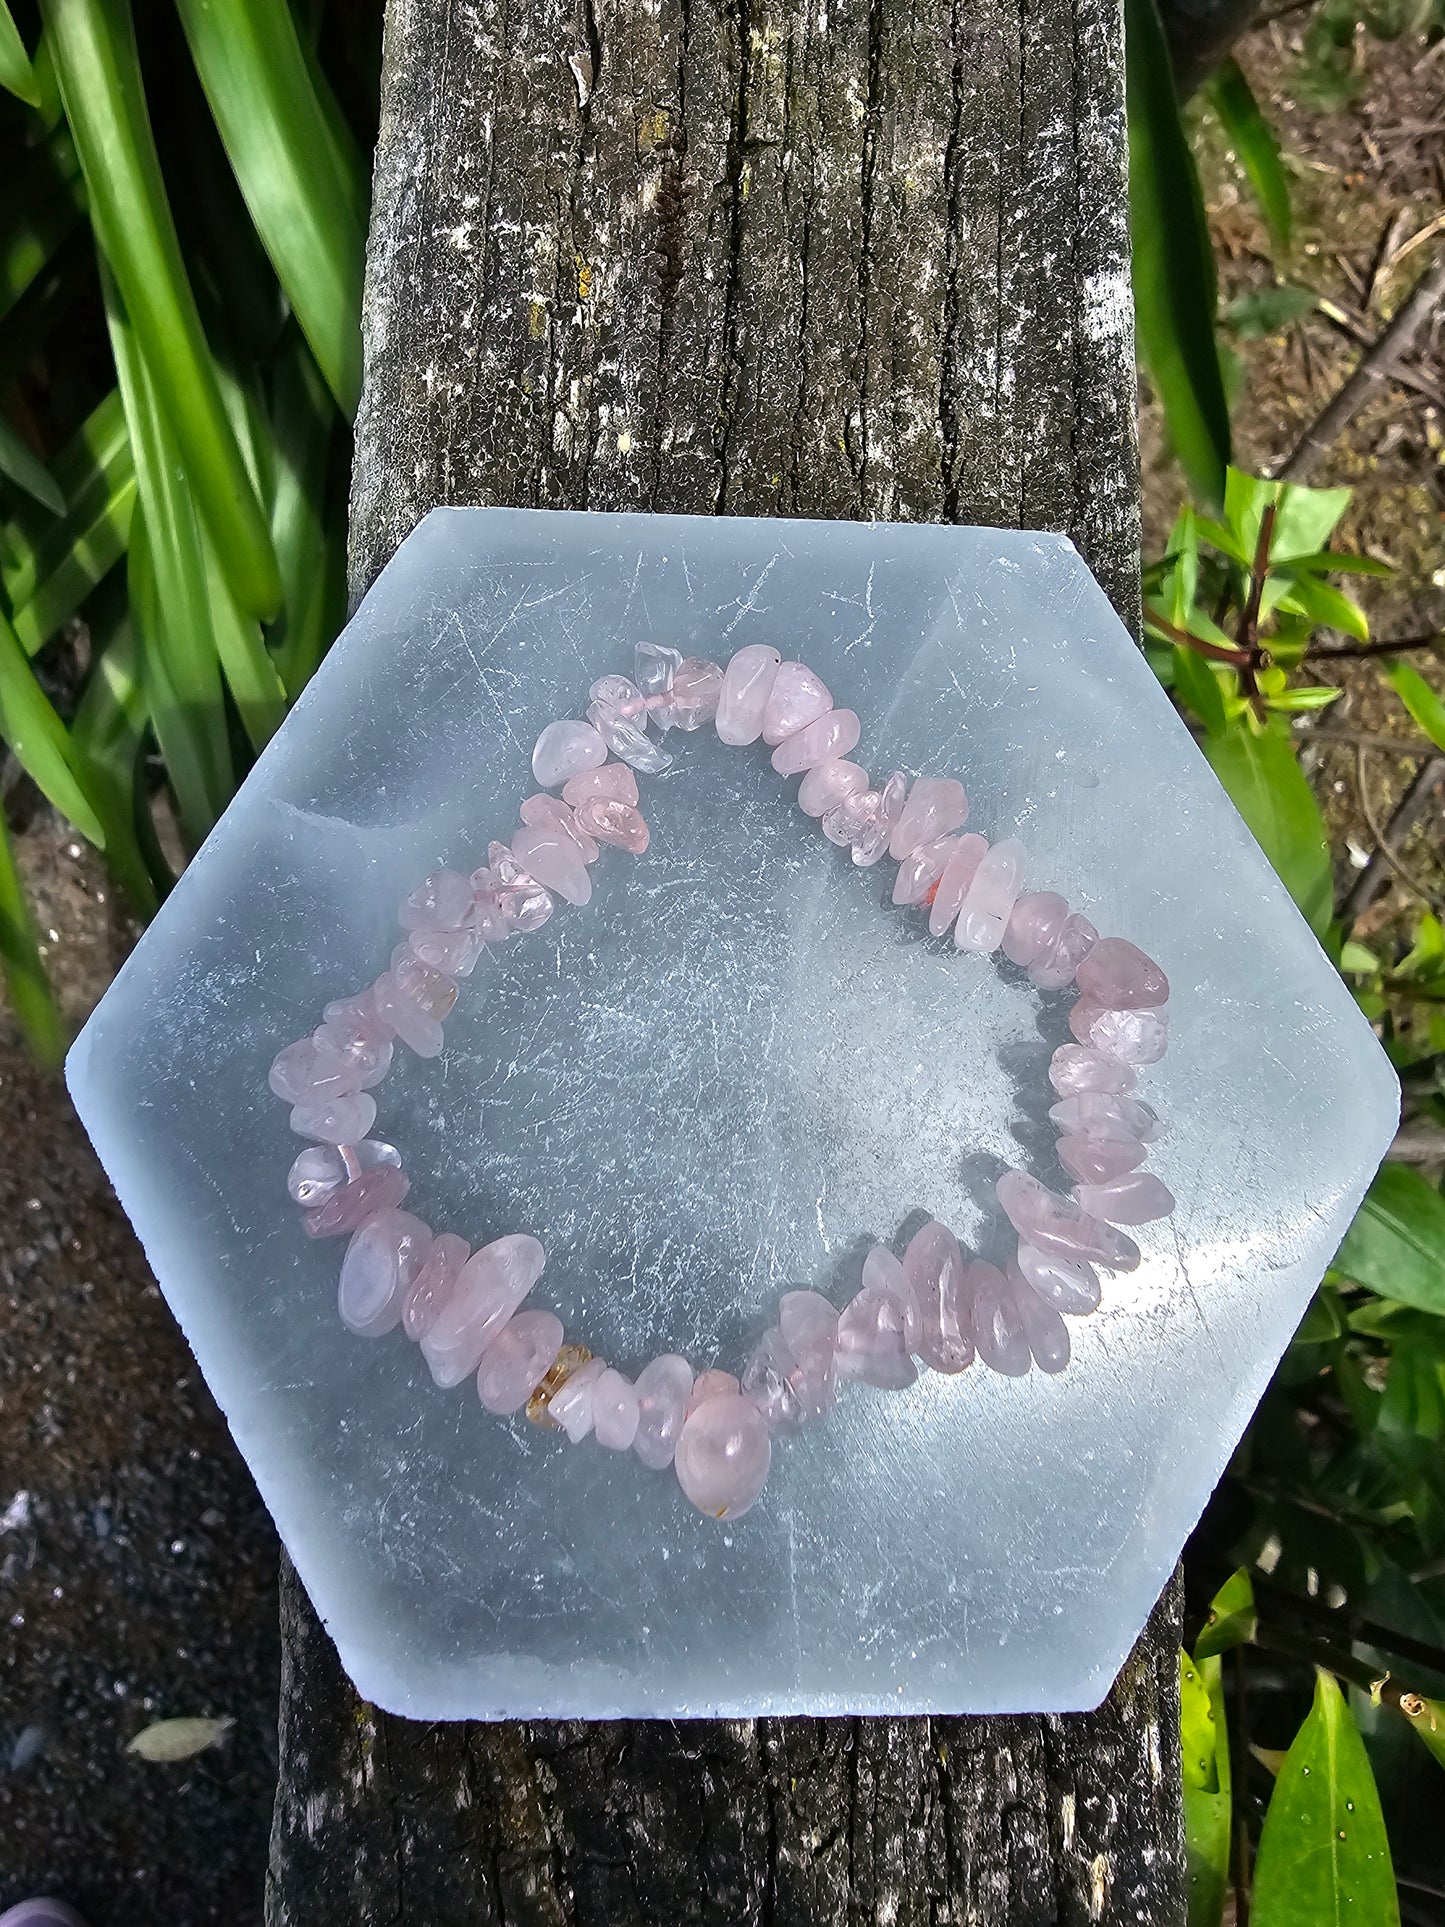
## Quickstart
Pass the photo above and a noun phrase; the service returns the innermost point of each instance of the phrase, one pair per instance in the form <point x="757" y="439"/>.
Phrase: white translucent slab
<point x="720" y="1080"/>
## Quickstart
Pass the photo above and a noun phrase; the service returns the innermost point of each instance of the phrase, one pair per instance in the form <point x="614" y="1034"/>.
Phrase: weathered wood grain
<point x="839" y="258"/>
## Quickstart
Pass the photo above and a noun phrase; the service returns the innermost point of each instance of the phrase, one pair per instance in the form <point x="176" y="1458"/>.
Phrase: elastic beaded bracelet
<point x="934" y="1306"/>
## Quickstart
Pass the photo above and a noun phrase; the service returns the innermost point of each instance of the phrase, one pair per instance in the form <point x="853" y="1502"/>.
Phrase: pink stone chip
<point x="493" y="1282"/>
<point x="442" y="901"/>
<point x="746" y="686"/>
<point x="451" y="953"/>
<point x="414" y="1027"/>
<point x="826" y="785"/>
<point x="798" y="697"/>
<point x="614" y="1410"/>
<point x="610" y="820"/>
<point x="353" y="1203"/>
<point x="693" y="698"/>
<point x="381" y="1261"/>
<point x="555" y="861"/>
<point x="723" y="1455"/>
<point x="889" y="804"/>
<point x="710" y="1384"/>
<point x="1065" y="1283"/>
<point x="1075" y="1068"/>
<point x="296" y="1076"/>
<point x="612" y="779"/>
<point x="565" y="749"/>
<point x="1075" y="941"/>
<point x="336" y="1120"/>
<point x="517" y="1360"/>
<point x="1118" y="975"/>
<point x="1044" y="1330"/>
<point x="1061" y="1226"/>
<point x="878" y="1328"/>
<point x="999" y="1332"/>
<point x="1135" y="1197"/>
<point x="936" y="806"/>
<point x="322" y="1169"/>
<point x="1129" y="1036"/>
<point x="921" y="869"/>
<point x="434" y="1284"/>
<point x="989" y="901"/>
<point x="663" y="1389"/>
<point x="1109" y="1114"/>
<point x="1094" y="1160"/>
<point x="953" y="885"/>
<point x="543" y="812"/>
<point x="1034" y="926"/>
<point x="570" y="1406"/>
<point x="933" y="1265"/>
<point x="824" y="740"/>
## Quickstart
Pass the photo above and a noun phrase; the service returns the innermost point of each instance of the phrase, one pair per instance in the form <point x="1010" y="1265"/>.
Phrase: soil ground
<point x="137" y="1568"/>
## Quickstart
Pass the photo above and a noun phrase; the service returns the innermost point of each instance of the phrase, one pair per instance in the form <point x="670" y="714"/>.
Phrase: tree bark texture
<point x="770" y="257"/>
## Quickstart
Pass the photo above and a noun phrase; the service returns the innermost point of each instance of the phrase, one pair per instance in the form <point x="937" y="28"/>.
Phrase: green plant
<point x="202" y="459"/>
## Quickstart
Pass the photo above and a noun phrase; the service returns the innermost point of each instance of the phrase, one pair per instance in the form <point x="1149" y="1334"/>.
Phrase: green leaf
<point x="1269" y="311"/>
<point x="1196" y="682"/>
<point x="1174" y="283"/>
<point x="1332" y="562"/>
<point x="1396" y="1245"/>
<point x="93" y="43"/>
<point x="27" y="471"/>
<point x="279" y="143"/>
<point x="1232" y="1618"/>
<point x="41" y="745"/>
<point x="1207" y="1791"/>
<point x="1253" y="140"/>
<point x="1418" y="697"/>
<point x="1324" y="1860"/>
<point x="40" y="206"/>
<point x="17" y="76"/>
<point x="311" y="552"/>
<point x="1266" y="785"/>
<point x="20" y="964"/>
<point x="1306" y="519"/>
<point x="1325" y="606"/>
<point x="1426" y="1717"/>
<point x="184" y="742"/>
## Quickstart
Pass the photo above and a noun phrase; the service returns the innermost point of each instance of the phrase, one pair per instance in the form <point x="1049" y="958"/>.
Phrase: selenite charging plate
<point x="722" y="1079"/>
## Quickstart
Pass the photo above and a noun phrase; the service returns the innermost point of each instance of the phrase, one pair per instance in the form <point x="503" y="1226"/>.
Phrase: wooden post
<point x="774" y="257"/>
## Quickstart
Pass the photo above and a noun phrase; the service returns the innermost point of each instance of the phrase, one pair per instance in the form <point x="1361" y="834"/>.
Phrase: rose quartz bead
<point x="296" y="1077"/>
<point x="723" y="1455"/>
<point x="555" y="861"/>
<point x="442" y="901"/>
<point x="1130" y="1036"/>
<point x="350" y="1206"/>
<point x="799" y="696"/>
<point x="451" y="953"/>
<point x="663" y="1389"/>
<point x="322" y="1169"/>
<point x="1106" y="1114"/>
<point x="493" y="1282"/>
<point x="694" y="695"/>
<point x="888" y="808"/>
<point x="563" y="750"/>
<point x="523" y="902"/>
<point x="1094" y="1160"/>
<point x="614" y="1410"/>
<point x="617" y="709"/>
<point x="380" y="1263"/>
<point x="551" y="813"/>
<point x="878" y="1328"/>
<point x="654" y="665"/>
<point x="991" y="896"/>
<point x="570" y="1406"/>
<point x="768" y="1382"/>
<point x="1076" y="940"/>
<point x="1044" y="1330"/>
<point x="414" y="1027"/>
<point x="953" y="885"/>
<point x="517" y="1360"/>
<point x="1074" y="1068"/>
<point x="792" y="1375"/>
<point x="808" y="1323"/>
<point x="826" y="784"/>
<point x="1034" y="926"/>
<point x="921" y="869"/>
<point x="1060" y="1226"/>
<point x="999" y="1333"/>
<point x="358" y="1014"/>
<point x="611" y="821"/>
<point x="710" y="1384"/>
<point x="346" y="1119"/>
<point x="1119" y="976"/>
<point x="746" y="686"/>
<point x="430" y="991"/>
<point x="1135" y="1197"/>
<point x="852" y="819"/>
<point x="434" y="1284"/>
<point x="933" y="1265"/>
<point x="831" y="736"/>
<point x="1065" y="1283"/>
<point x="936" y="806"/>
<point x="364" y="1058"/>
<point x="613" y="779"/>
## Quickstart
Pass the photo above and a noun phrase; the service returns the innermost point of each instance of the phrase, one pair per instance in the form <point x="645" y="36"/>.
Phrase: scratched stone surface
<point x="718" y="1081"/>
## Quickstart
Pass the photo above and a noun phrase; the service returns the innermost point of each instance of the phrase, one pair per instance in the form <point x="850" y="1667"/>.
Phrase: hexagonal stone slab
<point x="720" y="1080"/>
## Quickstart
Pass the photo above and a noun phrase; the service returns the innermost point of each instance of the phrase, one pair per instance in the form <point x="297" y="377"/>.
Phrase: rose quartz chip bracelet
<point x="464" y="1307"/>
